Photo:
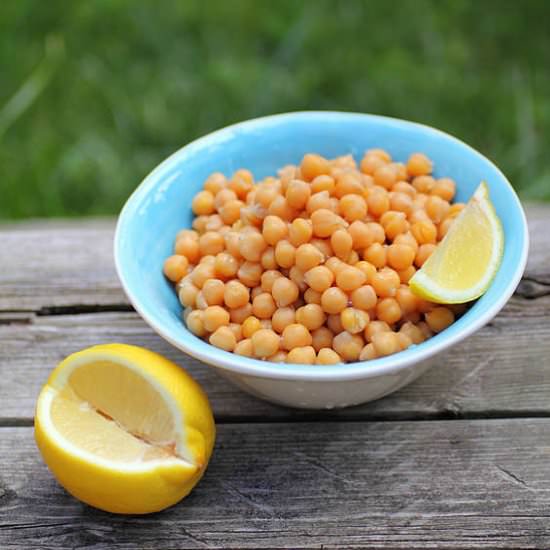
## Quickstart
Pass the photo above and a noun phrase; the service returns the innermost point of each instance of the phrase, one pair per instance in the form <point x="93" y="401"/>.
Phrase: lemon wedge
<point x="464" y="263"/>
<point x="124" y="429"/>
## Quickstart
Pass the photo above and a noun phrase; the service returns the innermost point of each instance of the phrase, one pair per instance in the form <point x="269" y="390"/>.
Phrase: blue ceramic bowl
<point x="161" y="206"/>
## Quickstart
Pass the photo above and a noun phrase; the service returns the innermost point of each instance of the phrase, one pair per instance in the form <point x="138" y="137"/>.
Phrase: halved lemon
<point x="124" y="429"/>
<point x="464" y="263"/>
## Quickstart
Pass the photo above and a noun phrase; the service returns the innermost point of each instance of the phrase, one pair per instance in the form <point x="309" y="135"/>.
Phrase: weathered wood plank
<point x="46" y="264"/>
<point x="502" y="370"/>
<point x="449" y="484"/>
<point x="55" y="264"/>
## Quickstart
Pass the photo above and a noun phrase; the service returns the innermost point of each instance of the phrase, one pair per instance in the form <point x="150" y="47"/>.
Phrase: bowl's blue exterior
<point x="161" y="205"/>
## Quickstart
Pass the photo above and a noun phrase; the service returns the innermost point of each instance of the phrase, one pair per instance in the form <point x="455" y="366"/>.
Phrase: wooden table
<point x="461" y="458"/>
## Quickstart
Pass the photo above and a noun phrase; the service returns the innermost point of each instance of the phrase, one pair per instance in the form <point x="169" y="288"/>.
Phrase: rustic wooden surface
<point x="460" y="458"/>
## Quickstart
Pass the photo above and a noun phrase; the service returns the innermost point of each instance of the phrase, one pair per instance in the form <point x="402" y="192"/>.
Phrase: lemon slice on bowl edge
<point x="464" y="263"/>
<point x="124" y="429"/>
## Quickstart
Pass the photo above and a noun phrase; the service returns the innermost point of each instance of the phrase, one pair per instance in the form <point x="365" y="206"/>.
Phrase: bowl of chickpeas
<point x="279" y="251"/>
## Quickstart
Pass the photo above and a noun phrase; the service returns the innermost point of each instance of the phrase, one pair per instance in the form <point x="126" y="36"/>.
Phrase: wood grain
<point x="438" y="484"/>
<point x="55" y="264"/>
<point x="501" y="370"/>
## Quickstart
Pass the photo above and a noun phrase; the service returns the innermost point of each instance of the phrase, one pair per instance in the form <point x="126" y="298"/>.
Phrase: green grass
<point x="94" y="94"/>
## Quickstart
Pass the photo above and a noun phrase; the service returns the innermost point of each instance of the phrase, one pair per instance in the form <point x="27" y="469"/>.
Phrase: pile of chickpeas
<point x="312" y="266"/>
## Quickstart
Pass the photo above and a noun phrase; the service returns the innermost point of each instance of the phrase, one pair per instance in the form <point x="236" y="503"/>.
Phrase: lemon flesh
<point x="124" y="429"/>
<point x="464" y="263"/>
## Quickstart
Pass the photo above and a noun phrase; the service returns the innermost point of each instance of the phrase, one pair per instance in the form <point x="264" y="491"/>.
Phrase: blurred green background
<point x="93" y="94"/>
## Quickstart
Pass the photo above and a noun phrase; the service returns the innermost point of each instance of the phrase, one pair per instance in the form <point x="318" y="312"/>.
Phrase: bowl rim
<point x="340" y="372"/>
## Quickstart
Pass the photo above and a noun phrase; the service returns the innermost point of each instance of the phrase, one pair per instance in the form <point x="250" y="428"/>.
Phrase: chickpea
<point x="274" y="230"/>
<point x="341" y="242"/>
<point x="311" y="316"/>
<point x="215" y="317"/>
<point x="284" y="291"/>
<point x="285" y="254"/>
<point x="268" y="260"/>
<point x="364" y="297"/>
<point x="327" y="356"/>
<point x="250" y="273"/>
<point x="394" y="223"/>
<point x="385" y="176"/>
<point x="405" y="275"/>
<point x="187" y="294"/>
<point x="335" y="265"/>
<point x="376" y="254"/>
<point x="385" y="343"/>
<point x="404" y="187"/>
<point x="223" y="338"/>
<point x="400" y="256"/>
<point x="370" y="163"/>
<point x="323" y="246"/>
<point x="348" y="346"/>
<point x="424" y="232"/>
<point x="378" y="201"/>
<point x="188" y="247"/>
<point x="175" y="267"/>
<point x="300" y="232"/>
<point x="407" y="239"/>
<point x="280" y="207"/>
<point x="354" y="320"/>
<point x="325" y="222"/>
<point x="252" y="246"/>
<point x="313" y="166"/>
<point x="312" y="296"/>
<point x="367" y="268"/>
<point x="401" y="202"/>
<point x="374" y="327"/>
<point x="419" y="165"/>
<point x="244" y="348"/>
<point x="385" y="283"/>
<point x="235" y="294"/>
<point x="439" y="318"/>
<point x="388" y="310"/>
<point x="302" y="355"/>
<point x="321" y="338"/>
<point x="195" y="323"/>
<point x="423" y="184"/>
<point x="294" y="336"/>
<point x="268" y="278"/>
<point x="348" y="182"/>
<point x="231" y="239"/>
<point x="202" y="273"/>
<point x="224" y="196"/>
<point x="240" y="314"/>
<point x="213" y="291"/>
<point x="297" y="194"/>
<point x="437" y="208"/>
<point x="283" y="317"/>
<point x="377" y="232"/>
<point x="353" y="207"/>
<point x="444" y="188"/>
<point x="368" y="353"/>
<point x="407" y="301"/>
<point x="319" y="278"/>
<point x="215" y="182"/>
<point x="318" y="201"/>
<point x="413" y="332"/>
<point x="333" y="300"/>
<point x="278" y="357"/>
<point x="226" y="265"/>
<point x="360" y="234"/>
<point x="265" y="342"/>
<point x="203" y="203"/>
<point x="200" y="301"/>
<point x="334" y="323"/>
<point x="307" y="257"/>
<point x="349" y="278"/>
<point x="324" y="182"/>
<point x="263" y="305"/>
<point x="265" y="195"/>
